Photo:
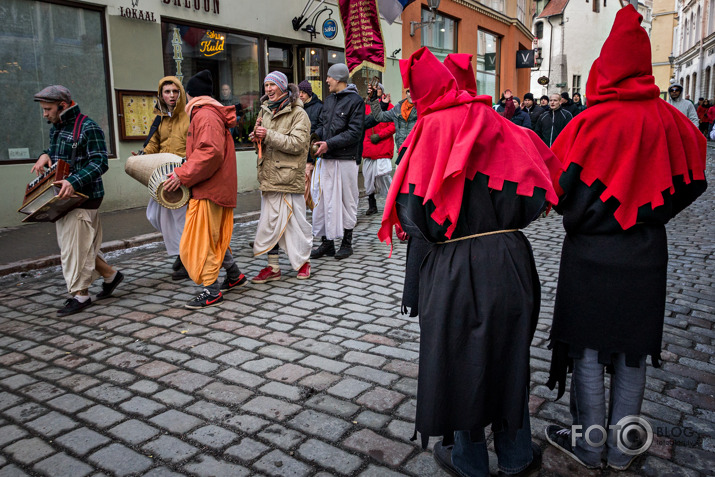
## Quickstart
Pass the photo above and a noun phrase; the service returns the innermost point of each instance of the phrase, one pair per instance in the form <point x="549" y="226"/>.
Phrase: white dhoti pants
<point x="376" y="173"/>
<point x="170" y="222"/>
<point x="337" y="208"/>
<point x="79" y="235"/>
<point x="283" y="222"/>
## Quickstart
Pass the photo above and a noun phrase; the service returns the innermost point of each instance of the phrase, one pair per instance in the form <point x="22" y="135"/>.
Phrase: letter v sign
<point x="525" y="59"/>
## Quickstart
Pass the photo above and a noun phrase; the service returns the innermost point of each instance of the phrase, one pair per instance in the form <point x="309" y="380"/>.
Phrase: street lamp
<point x="433" y="6"/>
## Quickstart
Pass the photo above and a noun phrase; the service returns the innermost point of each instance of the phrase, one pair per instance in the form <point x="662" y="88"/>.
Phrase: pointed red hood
<point x="458" y="134"/>
<point x="628" y="138"/>
<point x="623" y="70"/>
<point x="460" y="65"/>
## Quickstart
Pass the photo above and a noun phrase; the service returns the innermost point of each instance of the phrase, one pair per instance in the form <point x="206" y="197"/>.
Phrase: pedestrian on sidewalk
<point x="283" y="127"/>
<point x="210" y="172"/>
<point x="378" y="148"/>
<point x="79" y="232"/>
<point x="685" y="106"/>
<point x="169" y="137"/>
<point x="313" y="106"/>
<point x="532" y="109"/>
<point x="340" y="152"/>
<point x="553" y="121"/>
<point x="474" y="336"/>
<point x="630" y="163"/>
<point x="403" y="115"/>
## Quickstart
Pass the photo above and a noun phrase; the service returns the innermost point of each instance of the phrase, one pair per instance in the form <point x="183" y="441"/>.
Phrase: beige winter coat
<point x="171" y="135"/>
<point x="285" y="147"/>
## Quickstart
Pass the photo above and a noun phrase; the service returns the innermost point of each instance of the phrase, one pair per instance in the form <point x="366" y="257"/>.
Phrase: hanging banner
<point x="364" y="45"/>
<point x="525" y="58"/>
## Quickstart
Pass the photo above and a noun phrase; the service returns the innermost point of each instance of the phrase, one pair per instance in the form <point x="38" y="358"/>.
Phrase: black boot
<point x="346" y="246"/>
<point x="327" y="247"/>
<point x="372" y="205"/>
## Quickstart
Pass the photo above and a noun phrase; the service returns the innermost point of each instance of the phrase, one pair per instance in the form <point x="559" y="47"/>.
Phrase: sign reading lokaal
<point x="136" y="13"/>
<point x="208" y="6"/>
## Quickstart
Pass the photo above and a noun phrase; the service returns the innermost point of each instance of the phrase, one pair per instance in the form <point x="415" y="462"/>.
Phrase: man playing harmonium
<point x="79" y="233"/>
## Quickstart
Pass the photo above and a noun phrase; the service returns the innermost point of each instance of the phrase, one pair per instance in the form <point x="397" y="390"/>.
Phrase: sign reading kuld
<point x="208" y="6"/>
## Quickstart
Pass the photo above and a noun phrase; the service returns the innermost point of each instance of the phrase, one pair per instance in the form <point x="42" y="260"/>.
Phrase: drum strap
<point x="152" y="130"/>
<point x="75" y="138"/>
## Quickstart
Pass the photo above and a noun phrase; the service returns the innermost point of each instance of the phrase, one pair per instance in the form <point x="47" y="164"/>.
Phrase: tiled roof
<point x="554" y="7"/>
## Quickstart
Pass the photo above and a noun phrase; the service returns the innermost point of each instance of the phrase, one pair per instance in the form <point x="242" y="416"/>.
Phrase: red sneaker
<point x="304" y="272"/>
<point x="267" y="275"/>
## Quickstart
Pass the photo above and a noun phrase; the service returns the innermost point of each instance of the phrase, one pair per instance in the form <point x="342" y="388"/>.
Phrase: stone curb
<point x="52" y="260"/>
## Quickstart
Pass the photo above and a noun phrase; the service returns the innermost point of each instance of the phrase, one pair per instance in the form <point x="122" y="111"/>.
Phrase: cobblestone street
<point x="295" y="378"/>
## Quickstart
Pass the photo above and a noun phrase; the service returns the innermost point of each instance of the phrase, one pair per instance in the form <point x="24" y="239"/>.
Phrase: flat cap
<point x="54" y="94"/>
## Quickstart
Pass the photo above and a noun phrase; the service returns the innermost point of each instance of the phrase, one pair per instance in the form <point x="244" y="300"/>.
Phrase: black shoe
<point x="443" y="456"/>
<point x="372" y="205"/>
<point x="108" y="288"/>
<point x="228" y="284"/>
<point x="346" y="245"/>
<point x="560" y="437"/>
<point x="327" y="247"/>
<point x="533" y="468"/>
<point x="180" y="274"/>
<point x="204" y="300"/>
<point x="73" y="306"/>
<point x="177" y="263"/>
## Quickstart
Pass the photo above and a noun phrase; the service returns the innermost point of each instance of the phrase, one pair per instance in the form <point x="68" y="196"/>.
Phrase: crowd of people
<point x="615" y="175"/>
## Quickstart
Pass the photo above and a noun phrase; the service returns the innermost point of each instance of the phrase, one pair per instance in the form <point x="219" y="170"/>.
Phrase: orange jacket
<point x="210" y="168"/>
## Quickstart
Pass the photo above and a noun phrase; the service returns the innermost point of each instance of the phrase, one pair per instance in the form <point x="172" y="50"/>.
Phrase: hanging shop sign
<point x="330" y="29"/>
<point x="208" y="6"/>
<point x="543" y="81"/>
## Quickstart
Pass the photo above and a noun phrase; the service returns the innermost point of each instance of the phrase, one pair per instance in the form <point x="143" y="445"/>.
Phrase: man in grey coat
<point x="403" y="115"/>
<point x="681" y="104"/>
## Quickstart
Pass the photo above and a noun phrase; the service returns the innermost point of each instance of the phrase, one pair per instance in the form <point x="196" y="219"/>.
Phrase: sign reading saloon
<point x="208" y="6"/>
<point x="330" y="29"/>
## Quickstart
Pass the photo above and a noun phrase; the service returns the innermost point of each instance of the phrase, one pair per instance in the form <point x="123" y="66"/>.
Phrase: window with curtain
<point x="232" y="60"/>
<point x="488" y="64"/>
<point x="43" y="44"/>
<point x="521" y="11"/>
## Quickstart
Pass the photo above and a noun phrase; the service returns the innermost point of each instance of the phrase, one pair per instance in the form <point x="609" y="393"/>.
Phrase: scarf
<point x="406" y="109"/>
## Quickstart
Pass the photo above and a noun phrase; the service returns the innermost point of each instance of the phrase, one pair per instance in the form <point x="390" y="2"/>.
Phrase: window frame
<point x="110" y="137"/>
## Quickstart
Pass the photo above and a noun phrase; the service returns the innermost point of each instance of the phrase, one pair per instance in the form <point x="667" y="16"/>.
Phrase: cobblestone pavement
<point x="294" y="378"/>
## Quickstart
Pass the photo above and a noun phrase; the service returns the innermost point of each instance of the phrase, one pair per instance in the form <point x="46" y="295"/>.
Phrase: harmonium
<point x="41" y="203"/>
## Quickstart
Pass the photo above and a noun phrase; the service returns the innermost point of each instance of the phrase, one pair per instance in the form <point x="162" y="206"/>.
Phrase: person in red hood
<point x="630" y="162"/>
<point x="468" y="181"/>
<point x="210" y="172"/>
<point x="377" y="149"/>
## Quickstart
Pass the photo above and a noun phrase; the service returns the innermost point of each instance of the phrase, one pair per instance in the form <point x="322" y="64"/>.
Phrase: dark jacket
<point x="341" y="125"/>
<point x="314" y="107"/>
<point x="534" y="113"/>
<point x="551" y="123"/>
<point x="521" y="118"/>
<point x="571" y="107"/>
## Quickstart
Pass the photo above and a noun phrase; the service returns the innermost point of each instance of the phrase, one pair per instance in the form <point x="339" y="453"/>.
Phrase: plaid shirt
<point x="91" y="160"/>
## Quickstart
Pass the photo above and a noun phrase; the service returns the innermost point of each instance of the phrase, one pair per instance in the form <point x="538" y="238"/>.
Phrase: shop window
<point x="43" y="44"/>
<point x="280" y="58"/>
<point x="539" y="33"/>
<point x="488" y="64"/>
<point x="312" y="69"/>
<point x="364" y="76"/>
<point x="232" y="60"/>
<point x="441" y="36"/>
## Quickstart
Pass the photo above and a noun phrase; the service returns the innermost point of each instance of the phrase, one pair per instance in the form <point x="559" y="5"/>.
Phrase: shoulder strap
<point x="152" y="130"/>
<point x="79" y="120"/>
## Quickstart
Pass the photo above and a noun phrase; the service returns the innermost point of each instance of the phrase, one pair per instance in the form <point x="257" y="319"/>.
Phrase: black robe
<point x="612" y="282"/>
<point x="478" y="304"/>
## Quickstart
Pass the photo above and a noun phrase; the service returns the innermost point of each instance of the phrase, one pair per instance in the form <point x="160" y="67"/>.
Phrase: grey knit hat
<point x="339" y="72"/>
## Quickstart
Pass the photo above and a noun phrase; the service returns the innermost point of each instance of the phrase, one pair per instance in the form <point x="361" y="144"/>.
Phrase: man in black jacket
<point x="532" y="109"/>
<point x="553" y="121"/>
<point x="340" y="149"/>
<point x="568" y="104"/>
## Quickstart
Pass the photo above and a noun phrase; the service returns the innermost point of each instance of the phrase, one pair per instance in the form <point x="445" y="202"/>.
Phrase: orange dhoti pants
<point x="206" y="237"/>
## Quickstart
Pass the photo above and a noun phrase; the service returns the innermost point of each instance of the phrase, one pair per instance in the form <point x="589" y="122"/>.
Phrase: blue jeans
<point x="472" y="459"/>
<point x="588" y="406"/>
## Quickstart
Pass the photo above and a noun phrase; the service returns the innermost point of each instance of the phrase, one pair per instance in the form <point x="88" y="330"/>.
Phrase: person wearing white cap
<point x="283" y="129"/>
<point x="340" y="150"/>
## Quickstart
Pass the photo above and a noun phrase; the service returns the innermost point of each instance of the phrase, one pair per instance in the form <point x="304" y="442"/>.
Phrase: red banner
<point x="364" y="45"/>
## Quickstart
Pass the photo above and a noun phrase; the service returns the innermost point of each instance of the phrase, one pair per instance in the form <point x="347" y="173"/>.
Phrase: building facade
<point x="568" y="38"/>
<point x="112" y="53"/>
<point x="491" y="30"/>
<point x="664" y="22"/>
<point x="694" y="48"/>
